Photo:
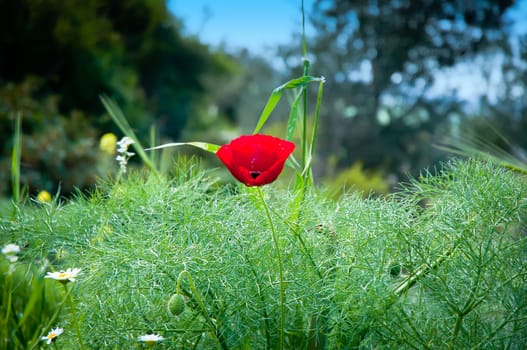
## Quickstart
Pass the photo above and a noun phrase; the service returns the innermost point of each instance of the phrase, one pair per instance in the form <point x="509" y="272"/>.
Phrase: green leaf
<point x="268" y="109"/>
<point x="293" y="163"/>
<point x="293" y="116"/>
<point x="277" y="94"/>
<point x="298" y="82"/>
<point x="36" y="296"/>
<point x="209" y="147"/>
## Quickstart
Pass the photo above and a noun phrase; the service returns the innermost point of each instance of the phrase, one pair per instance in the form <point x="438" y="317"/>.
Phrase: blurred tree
<point x="131" y="50"/>
<point x="382" y="60"/>
<point x="257" y="82"/>
<point x="241" y="98"/>
<point x="71" y="52"/>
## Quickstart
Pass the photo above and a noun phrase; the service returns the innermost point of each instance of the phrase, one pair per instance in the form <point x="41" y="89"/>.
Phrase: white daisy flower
<point x="150" y="339"/>
<point x="53" y="335"/>
<point x="10" y="251"/>
<point x="64" y="276"/>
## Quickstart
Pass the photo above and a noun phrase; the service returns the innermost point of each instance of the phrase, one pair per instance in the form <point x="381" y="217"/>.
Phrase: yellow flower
<point x="44" y="196"/>
<point x="108" y="142"/>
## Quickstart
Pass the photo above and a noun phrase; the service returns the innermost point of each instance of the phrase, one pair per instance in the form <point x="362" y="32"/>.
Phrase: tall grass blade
<point x="304" y="41"/>
<point x="305" y="154"/>
<point x="293" y="116"/>
<point x="153" y="141"/>
<point x="16" y="158"/>
<point x="472" y="145"/>
<point x="209" y="147"/>
<point x="317" y="117"/>
<point x="120" y="120"/>
<point x="268" y="109"/>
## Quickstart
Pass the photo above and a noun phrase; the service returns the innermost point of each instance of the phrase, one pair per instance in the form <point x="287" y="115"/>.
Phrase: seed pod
<point x="176" y="304"/>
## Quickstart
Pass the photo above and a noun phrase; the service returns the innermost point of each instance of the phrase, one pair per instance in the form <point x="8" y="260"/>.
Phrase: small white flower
<point x="123" y="154"/>
<point x="122" y="160"/>
<point x="52" y="335"/>
<point x="64" y="276"/>
<point x="10" y="251"/>
<point x="151" y="338"/>
<point x="124" y="143"/>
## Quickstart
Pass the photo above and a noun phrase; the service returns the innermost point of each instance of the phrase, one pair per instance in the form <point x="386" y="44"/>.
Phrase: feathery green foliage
<point x="442" y="264"/>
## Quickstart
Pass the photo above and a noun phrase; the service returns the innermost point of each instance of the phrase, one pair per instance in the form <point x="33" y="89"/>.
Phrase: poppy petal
<point x="256" y="160"/>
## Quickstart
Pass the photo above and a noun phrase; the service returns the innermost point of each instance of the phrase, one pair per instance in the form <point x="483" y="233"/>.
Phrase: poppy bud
<point x="176" y="304"/>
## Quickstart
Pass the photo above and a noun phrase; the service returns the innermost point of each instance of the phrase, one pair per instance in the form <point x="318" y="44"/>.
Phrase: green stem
<point x="315" y="125"/>
<point x="457" y="328"/>
<point x="304" y="41"/>
<point x="421" y="272"/>
<point x="16" y="158"/>
<point x="280" y="268"/>
<point x="305" y="151"/>
<point x="262" y="298"/>
<point x="308" y="255"/>
<point x="304" y="100"/>
<point x="52" y="320"/>
<point x="201" y="304"/>
<point x="265" y="313"/>
<point x="74" y="317"/>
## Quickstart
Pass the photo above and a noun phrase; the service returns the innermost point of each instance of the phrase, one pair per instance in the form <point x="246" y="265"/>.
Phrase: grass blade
<point x="317" y="116"/>
<point x="118" y="117"/>
<point x="293" y="116"/>
<point x="209" y="147"/>
<point x="16" y="158"/>
<point x="268" y="109"/>
<point x="473" y="145"/>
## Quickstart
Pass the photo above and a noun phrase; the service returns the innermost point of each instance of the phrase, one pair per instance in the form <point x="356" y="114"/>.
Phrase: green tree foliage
<point x="131" y="50"/>
<point x="57" y="57"/>
<point x="381" y="60"/>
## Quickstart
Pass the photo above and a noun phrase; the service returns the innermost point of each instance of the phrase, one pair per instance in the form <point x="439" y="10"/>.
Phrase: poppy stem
<point x="280" y="269"/>
<point x="74" y="317"/>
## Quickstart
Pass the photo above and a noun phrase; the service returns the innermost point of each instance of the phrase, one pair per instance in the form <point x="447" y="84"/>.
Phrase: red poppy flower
<point x="255" y="160"/>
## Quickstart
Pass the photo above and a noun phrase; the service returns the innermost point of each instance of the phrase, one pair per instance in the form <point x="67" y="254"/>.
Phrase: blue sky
<point x="261" y="25"/>
<point x="258" y="25"/>
<point x="518" y="13"/>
